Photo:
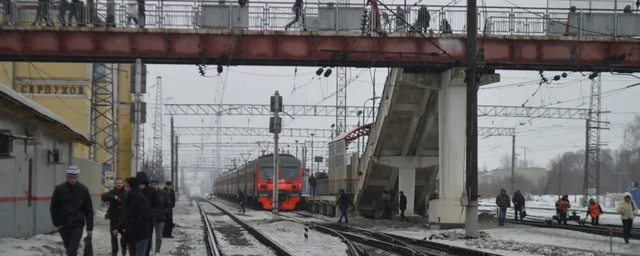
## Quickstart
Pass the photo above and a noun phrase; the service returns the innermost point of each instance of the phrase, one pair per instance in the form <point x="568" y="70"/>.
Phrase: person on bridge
<point x="518" y="205"/>
<point x="168" y="215"/>
<point x="241" y="199"/>
<point x="344" y="202"/>
<point x="403" y="206"/>
<point x="141" y="16"/>
<point x="63" y="6"/>
<point x="70" y="208"/>
<point x="312" y="185"/>
<point x="6" y="12"/>
<point x="562" y="206"/>
<point x="42" y="13"/>
<point x="503" y="202"/>
<point x="628" y="210"/>
<point x="115" y="199"/>
<point x="298" y="10"/>
<point x="422" y="23"/>
<point x="594" y="210"/>
<point x="135" y="218"/>
<point x="77" y="13"/>
<point x="376" y="14"/>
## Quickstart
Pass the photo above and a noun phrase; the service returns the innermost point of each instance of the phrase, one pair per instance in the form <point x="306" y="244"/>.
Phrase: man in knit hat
<point x="153" y="204"/>
<point x="70" y="208"/>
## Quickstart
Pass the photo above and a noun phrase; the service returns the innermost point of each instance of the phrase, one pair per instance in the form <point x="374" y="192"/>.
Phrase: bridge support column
<point x="407" y="184"/>
<point x="451" y="121"/>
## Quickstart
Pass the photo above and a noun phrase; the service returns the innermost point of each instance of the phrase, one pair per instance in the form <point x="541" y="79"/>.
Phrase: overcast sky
<point x="543" y="137"/>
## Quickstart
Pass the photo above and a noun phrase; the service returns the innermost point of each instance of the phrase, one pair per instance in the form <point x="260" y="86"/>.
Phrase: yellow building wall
<point x="79" y="71"/>
<point x="6" y="73"/>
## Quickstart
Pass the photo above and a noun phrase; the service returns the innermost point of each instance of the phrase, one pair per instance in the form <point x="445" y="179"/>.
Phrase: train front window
<point x="290" y="172"/>
<point x="266" y="171"/>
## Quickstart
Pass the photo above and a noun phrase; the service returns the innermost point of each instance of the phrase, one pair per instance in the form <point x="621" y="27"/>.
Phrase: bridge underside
<point x="312" y="48"/>
<point x="418" y="136"/>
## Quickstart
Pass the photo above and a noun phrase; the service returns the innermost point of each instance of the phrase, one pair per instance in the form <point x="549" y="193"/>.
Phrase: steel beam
<point x="330" y="111"/>
<point x="311" y="48"/>
<point x="496" y="131"/>
<point x="316" y="144"/>
<point x="252" y="131"/>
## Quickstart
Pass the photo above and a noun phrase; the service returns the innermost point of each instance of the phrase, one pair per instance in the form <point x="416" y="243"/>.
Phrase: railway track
<point x="541" y="222"/>
<point x="264" y="239"/>
<point x="210" y="239"/>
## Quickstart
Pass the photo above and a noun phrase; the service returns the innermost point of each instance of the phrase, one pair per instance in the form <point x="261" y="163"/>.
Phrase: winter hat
<point x="133" y="182"/>
<point x="143" y="178"/>
<point x="168" y="182"/>
<point x="73" y="171"/>
<point x="154" y="181"/>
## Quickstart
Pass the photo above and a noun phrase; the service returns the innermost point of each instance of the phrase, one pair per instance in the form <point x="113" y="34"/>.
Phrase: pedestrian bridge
<point x="221" y="32"/>
<point x="419" y="134"/>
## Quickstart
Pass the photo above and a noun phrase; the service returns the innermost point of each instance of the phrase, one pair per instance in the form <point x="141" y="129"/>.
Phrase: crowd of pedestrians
<point x="137" y="207"/>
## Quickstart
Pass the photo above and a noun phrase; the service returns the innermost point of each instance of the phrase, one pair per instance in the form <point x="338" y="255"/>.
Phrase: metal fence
<point x="276" y="16"/>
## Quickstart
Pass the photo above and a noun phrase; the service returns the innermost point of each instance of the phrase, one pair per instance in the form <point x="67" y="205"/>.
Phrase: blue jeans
<point x="344" y="213"/>
<point x="502" y="215"/>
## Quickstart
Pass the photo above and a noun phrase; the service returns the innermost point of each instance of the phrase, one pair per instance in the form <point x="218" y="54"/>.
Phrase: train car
<point x="255" y="180"/>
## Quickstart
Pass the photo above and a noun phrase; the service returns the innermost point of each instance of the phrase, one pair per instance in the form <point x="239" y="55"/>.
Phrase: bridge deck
<point x="312" y="48"/>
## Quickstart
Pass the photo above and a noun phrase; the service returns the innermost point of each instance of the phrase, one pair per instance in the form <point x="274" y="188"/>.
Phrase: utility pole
<point x="173" y="152"/>
<point x="471" y="225"/>
<point x="513" y="162"/>
<point x="560" y="177"/>
<point x="526" y="164"/>
<point x="275" y="126"/>
<point x="137" y="115"/>
<point x="312" y="156"/>
<point x="176" y="182"/>
<point x="156" y="157"/>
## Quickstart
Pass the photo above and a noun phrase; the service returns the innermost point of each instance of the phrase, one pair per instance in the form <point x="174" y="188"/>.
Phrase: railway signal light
<point x="275" y="125"/>
<point x="276" y="103"/>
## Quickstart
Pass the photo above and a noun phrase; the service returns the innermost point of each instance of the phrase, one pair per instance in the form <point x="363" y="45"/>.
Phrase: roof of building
<point x="41" y="115"/>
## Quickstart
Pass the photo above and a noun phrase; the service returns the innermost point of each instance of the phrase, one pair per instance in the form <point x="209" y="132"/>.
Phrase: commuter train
<point x="255" y="180"/>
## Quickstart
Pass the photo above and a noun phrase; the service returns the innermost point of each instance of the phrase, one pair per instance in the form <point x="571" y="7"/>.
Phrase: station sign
<point x="52" y="89"/>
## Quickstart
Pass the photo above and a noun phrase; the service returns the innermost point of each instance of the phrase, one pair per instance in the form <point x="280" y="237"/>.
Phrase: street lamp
<point x="312" y="157"/>
<point x="363" y="116"/>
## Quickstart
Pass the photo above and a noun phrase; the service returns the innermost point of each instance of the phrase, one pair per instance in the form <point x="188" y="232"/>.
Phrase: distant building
<point x="36" y="146"/>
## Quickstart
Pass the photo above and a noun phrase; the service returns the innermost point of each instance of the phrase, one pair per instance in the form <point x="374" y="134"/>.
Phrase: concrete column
<point x="407" y="184"/>
<point x="451" y="122"/>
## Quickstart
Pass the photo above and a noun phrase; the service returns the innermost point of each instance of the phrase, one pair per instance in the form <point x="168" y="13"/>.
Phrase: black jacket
<point x="518" y="200"/>
<point x="240" y="196"/>
<point x="154" y="203"/>
<point x="165" y="205"/>
<point x="71" y="205"/>
<point x="344" y="201"/>
<point x="312" y="181"/>
<point x="503" y="201"/>
<point x="172" y="197"/>
<point x="403" y="202"/>
<point x="135" y="218"/>
<point x="115" y="207"/>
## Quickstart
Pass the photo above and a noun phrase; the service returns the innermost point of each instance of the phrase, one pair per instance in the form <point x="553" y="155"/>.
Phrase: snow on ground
<point x="186" y="242"/>
<point x="291" y="236"/>
<point x="231" y="237"/>
<point x="608" y="219"/>
<point x="287" y="233"/>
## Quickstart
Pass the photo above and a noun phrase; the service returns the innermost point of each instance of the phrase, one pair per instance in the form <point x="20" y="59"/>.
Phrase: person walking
<point x="628" y="210"/>
<point x="111" y="12"/>
<point x="343" y="203"/>
<point x="312" y="185"/>
<point x="6" y="12"/>
<point x="594" y="210"/>
<point x="158" y="216"/>
<point x="168" y="216"/>
<point x="115" y="199"/>
<point x="503" y="202"/>
<point x="241" y="199"/>
<point x="403" y="206"/>
<point x="77" y="13"/>
<point x="153" y="205"/>
<point x="518" y="205"/>
<point x="562" y="207"/>
<point x="42" y="13"/>
<point x="70" y="209"/>
<point x="62" y="10"/>
<point x="135" y="218"/>
<point x="297" y="10"/>
<point x="386" y="205"/>
<point x="376" y="15"/>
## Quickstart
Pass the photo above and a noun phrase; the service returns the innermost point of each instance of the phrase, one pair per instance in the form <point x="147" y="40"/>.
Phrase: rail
<point x="210" y="238"/>
<point x="352" y="249"/>
<point x="315" y="16"/>
<point x="278" y="249"/>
